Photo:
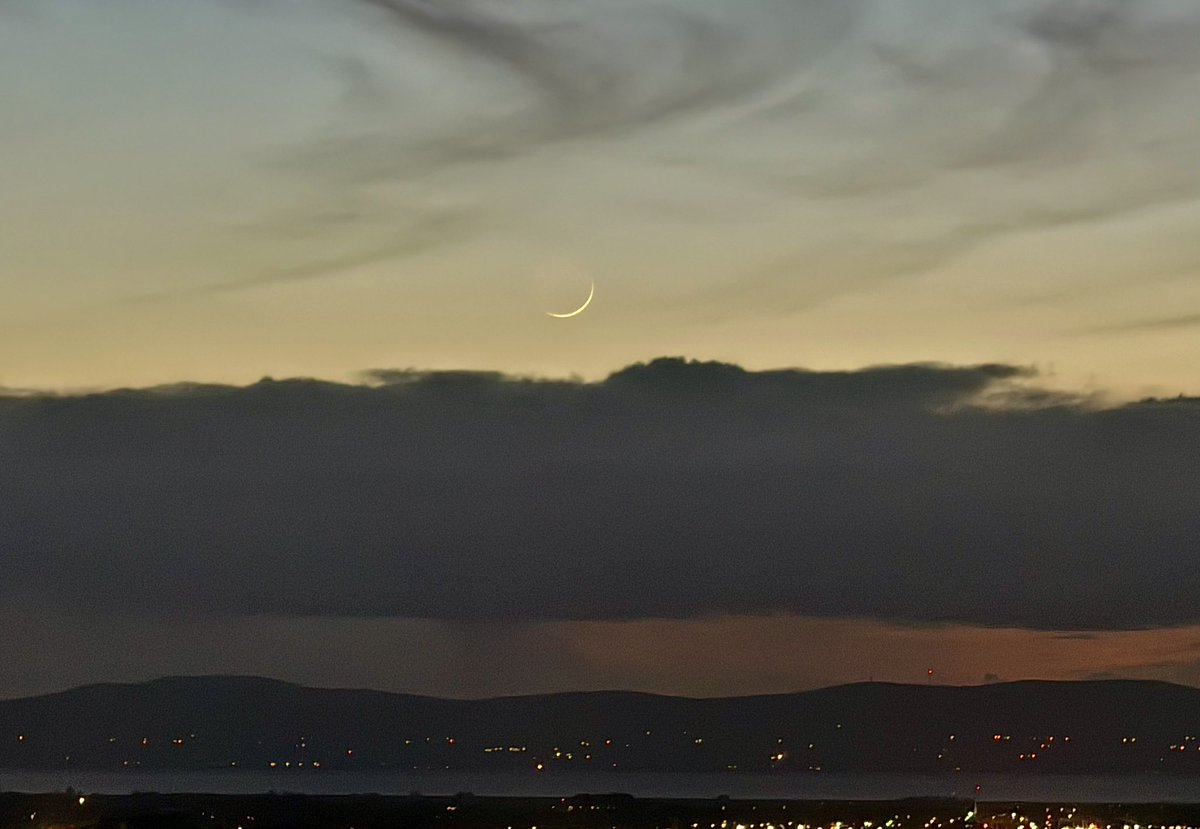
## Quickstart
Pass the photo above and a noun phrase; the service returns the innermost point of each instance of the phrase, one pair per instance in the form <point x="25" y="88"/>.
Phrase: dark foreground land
<point x="464" y="811"/>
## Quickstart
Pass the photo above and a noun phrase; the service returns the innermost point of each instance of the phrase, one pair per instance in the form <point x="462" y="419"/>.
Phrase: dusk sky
<point x="918" y="267"/>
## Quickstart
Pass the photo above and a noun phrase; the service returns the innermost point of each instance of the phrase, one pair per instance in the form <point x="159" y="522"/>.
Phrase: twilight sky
<point x="219" y="190"/>
<point x="993" y="204"/>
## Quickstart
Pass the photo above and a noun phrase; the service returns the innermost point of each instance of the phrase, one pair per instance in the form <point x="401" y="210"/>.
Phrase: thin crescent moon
<point x="580" y="309"/>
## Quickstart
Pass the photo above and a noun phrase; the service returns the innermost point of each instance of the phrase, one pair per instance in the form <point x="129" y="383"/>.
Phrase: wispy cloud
<point x="626" y="81"/>
<point x="1144" y="325"/>
<point x="725" y="168"/>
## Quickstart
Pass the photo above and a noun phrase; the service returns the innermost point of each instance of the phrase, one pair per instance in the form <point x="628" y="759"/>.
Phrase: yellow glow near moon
<point x="580" y="309"/>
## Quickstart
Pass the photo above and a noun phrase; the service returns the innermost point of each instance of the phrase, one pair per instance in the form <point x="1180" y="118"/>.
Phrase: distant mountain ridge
<point x="248" y="722"/>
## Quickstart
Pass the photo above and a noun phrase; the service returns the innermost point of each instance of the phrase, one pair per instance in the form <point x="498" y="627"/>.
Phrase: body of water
<point x="1075" y="788"/>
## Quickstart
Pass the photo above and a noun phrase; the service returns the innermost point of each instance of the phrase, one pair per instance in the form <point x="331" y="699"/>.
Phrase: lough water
<point x="1070" y="788"/>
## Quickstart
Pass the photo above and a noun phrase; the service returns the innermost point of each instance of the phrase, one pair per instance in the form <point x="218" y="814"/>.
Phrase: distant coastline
<point x="289" y="733"/>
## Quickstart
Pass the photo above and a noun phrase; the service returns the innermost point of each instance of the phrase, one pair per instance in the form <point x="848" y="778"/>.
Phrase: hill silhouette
<point x="212" y="722"/>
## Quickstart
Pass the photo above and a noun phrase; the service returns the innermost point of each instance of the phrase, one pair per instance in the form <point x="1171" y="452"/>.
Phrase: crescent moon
<point x="580" y="309"/>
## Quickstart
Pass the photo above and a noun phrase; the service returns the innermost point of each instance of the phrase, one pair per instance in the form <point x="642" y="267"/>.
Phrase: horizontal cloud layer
<point x="670" y="489"/>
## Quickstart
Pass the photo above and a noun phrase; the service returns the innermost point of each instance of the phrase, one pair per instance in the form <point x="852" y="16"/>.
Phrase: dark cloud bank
<point x="668" y="489"/>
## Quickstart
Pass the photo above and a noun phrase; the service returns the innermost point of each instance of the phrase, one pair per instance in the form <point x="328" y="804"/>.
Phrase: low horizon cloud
<point x="671" y="489"/>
